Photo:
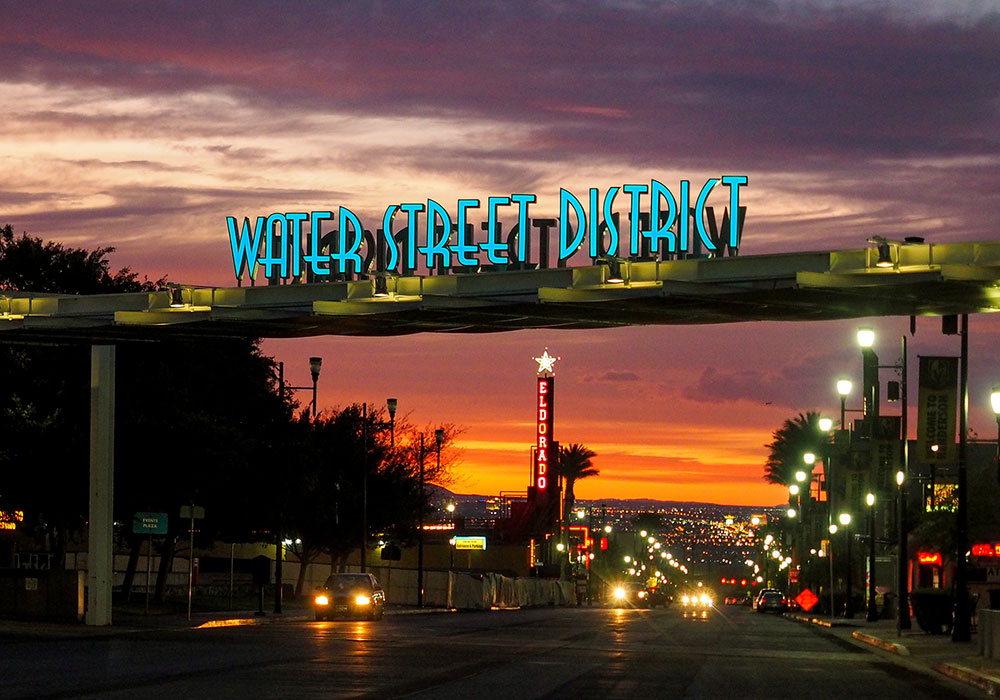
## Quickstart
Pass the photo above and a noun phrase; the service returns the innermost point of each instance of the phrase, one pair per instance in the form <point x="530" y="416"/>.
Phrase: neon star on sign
<point x="546" y="362"/>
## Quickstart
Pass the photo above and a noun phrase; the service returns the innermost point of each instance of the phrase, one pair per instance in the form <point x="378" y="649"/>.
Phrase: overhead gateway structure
<point x="890" y="279"/>
<point x="923" y="279"/>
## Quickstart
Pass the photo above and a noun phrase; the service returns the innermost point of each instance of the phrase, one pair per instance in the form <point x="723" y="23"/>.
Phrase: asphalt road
<point x="575" y="653"/>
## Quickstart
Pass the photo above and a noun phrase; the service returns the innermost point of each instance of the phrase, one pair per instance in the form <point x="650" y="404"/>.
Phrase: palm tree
<point x="793" y="439"/>
<point x="574" y="463"/>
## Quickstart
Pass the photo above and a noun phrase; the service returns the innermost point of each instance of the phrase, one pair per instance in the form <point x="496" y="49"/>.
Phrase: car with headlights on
<point x="349" y="595"/>
<point x="631" y="594"/>
<point x="699" y="600"/>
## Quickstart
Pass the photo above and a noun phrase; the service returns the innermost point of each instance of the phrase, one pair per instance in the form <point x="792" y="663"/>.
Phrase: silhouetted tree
<point x="575" y="463"/>
<point x="792" y="440"/>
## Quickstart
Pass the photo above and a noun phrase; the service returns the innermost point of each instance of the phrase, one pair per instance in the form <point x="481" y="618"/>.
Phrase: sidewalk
<point x="936" y="652"/>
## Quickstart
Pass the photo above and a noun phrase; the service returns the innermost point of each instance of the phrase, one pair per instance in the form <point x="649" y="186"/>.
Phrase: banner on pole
<point x="937" y="412"/>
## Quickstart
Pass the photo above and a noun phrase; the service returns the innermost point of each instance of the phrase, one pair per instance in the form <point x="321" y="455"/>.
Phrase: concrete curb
<point x="893" y="647"/>
<point x="985" y="682"/>
<point x="805" y="619"/>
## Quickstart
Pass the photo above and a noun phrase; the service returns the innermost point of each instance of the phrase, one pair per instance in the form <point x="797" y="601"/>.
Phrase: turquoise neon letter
<point x="435" y="248"/>
<point x="390" y="242"/>
<point x="245" y="247"/>
<point x="491" y="246"/>
<point x="593" y="223"/>
<point x="271" y="260"/>
<point x="634" y="191"/>
<point x="313" y="257"/>
<point x="295" y="220"/>
<point x="699" y="213"/>
<point x="609" y="200"/>
<point x="411" y="233"/>
<point x="656" y="231"/>
<point x="566" y="200"/>
<point x="343" y="256"/>
<point x="522" y="201"/>
<point x="684" y="214"/>
<point x="733" y="182"/>
<point x="460" y="248"/>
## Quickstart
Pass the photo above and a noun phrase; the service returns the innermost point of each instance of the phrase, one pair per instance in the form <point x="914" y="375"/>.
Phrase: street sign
<point x="793" y="575"/>
<point x="195" y="512"/>
<point x="806" y="600"/>
<point x="470" y="542"/>
<point x="149" y="524"/>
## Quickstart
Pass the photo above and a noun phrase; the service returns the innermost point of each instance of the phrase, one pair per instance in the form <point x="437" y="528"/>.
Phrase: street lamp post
<point x="845" y="521"/>
<point x="315" y="363"/>
<point x="872" y="614"/>
<point x="451" y="545"/>
<point x="420" y="531"/>
<point x="844" y="387"/>
<point x="903" y="618"/>
<point x="995" y="404"/>
<point x="829" y="555"/>
<point x="439" y="438"/>
<point x="364" y="487"/>
<point x="961" y="630"/>
<point x="391" y="405"/>
<point x="903" y="559"/>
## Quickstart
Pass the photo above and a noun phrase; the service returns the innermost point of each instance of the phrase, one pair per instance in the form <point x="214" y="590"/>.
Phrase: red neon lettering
<point x="543" y="387"/>
<point x="542" y="441"/>
<point x="541" y="482"/>
<point x="543" y="456"/>
<point x="543" y="428"/>
<point x="542" y="468"/>
<point x="542" y="414"/>
<point x="541" y="402"/>
<point x="982" y="550"/>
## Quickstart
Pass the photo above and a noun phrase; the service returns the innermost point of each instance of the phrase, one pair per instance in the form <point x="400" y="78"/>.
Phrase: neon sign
<point x="929" y="558"/>
<point x="543" y="444"/>
<point x="290" y="244"/>
<point x="10" y="519"/>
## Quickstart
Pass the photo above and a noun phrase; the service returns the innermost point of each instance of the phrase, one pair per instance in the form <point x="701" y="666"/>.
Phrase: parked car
<point x="349" y="595"/>
<point x="760" y="596"/>
<point x="772" y="601"/>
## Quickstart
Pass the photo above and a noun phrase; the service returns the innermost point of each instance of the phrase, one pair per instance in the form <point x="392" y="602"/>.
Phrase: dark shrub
<point x="933" y="609"/>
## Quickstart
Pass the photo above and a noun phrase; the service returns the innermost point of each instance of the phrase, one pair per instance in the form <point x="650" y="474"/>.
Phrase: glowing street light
<point x="844" y="387"/>
<point x="866" y="336"/>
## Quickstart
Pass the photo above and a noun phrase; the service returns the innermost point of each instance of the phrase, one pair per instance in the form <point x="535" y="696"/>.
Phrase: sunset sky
<point x="143" y="126"/>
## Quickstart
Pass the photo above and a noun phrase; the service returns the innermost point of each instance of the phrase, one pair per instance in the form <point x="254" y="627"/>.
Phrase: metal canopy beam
<point x="924" y="279"/>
